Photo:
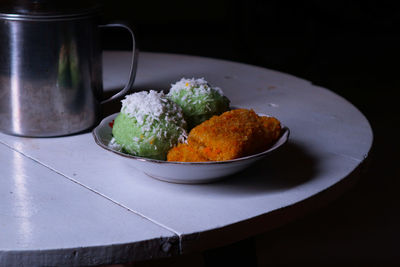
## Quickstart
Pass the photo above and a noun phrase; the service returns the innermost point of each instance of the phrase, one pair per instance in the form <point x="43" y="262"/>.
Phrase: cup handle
<point x="132" y="73"/>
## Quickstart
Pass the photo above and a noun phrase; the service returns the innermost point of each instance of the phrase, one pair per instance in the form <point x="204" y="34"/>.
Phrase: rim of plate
<point x="104" y="123"/>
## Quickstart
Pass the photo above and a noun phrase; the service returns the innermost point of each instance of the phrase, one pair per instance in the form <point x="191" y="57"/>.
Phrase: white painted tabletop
<point x="66" y="201"/>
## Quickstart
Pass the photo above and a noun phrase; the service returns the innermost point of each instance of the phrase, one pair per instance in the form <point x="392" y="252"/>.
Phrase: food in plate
<point x="234" y="134"/>
<point x="198" y="100"/>
<point x="148" y="125"/>
<point x="185" y="152"/>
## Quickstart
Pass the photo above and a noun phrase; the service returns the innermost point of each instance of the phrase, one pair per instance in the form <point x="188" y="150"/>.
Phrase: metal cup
<point x="51" y="74"/>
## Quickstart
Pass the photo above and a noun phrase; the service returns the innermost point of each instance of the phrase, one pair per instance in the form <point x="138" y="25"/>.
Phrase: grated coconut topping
<point x="150" y="104"/>
<point x="201" y="85"/>
<point x="150" y="107"/>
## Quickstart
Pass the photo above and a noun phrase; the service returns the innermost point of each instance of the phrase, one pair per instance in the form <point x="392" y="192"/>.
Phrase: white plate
<point x="183" y="172"/>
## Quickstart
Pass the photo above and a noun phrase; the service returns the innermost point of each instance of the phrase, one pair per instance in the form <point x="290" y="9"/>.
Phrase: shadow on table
<point x="284" y="169"/>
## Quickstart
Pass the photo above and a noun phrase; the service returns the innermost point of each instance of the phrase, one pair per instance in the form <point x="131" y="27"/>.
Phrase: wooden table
<point x="66" y="201"/>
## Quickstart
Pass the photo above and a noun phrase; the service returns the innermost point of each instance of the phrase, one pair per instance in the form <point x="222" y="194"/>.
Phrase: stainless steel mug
<point x="51" y="67"/>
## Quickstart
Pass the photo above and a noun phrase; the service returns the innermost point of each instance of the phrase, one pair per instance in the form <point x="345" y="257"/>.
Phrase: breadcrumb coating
<point x="185" y="153"/>
<point x="234" y="134"/>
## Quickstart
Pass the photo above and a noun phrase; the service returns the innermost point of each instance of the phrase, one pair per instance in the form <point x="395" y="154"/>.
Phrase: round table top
<point x="66" y="201"/>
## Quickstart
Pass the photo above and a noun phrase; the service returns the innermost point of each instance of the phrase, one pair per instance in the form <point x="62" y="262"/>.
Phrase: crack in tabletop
<point x="179" y="235"/>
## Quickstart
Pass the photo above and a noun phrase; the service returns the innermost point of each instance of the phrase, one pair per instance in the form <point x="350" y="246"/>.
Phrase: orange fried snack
<point x="185" y="153"/>
<point x="236" y="133"/>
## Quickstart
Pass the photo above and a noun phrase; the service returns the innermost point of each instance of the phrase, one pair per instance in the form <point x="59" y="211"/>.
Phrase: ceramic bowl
<point x="183" y="172"/>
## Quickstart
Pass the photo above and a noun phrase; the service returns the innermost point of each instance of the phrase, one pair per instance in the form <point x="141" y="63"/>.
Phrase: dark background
<point x="350" y="47"/>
